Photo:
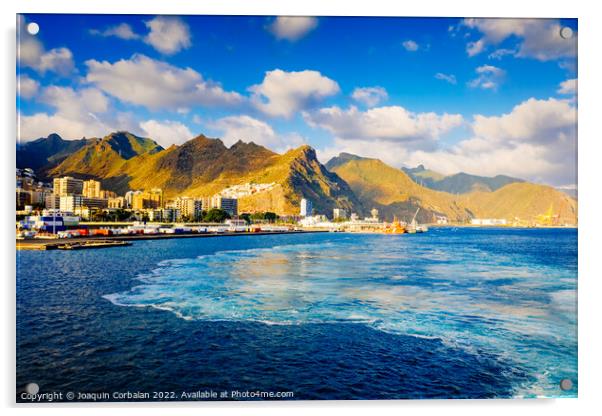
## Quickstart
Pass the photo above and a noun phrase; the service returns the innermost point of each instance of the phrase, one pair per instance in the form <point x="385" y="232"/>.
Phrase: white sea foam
<point x="415" y="291"/>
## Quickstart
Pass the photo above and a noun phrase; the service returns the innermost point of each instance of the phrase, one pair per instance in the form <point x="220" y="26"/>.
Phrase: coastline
<point x="51" y="243"/>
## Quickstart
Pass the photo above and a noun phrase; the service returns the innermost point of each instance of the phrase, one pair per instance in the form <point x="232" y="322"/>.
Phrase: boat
<point x="414" y="227"/>
<point x="396" y="227"/>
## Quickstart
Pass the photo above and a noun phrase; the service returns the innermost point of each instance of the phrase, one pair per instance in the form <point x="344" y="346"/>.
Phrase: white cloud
<point x="76" y="113"/>
<point x="475" y="48"/>
<point x="166" y="132"/>
<point x="370" y="96"/>
<point x="168" y="34"/>
<point x="157" y="85"/>
<point x="446" y="77"/>
<point x="536" y="141"/>
<point x="27" y="87"/>
<point x="59" y="60"/>
<point x="71" y="103"/>
<point x="31" y="53"/>
<point x="249" y="129"/>
<point x="283" y="93"/>
<point x="410" y="46"/>
<point x="122" y="31"/>
<point x="533" y="121"/>
<point x="292" y="28"/>
<point x="489" y="77"/>
<point x="500" y="53"/>
<point x="390" y="124"/>
<point x="539" y="38"/>
<point x="568" y="87"/>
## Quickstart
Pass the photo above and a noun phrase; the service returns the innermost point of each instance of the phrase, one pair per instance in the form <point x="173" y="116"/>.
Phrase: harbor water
<point x="452" y="313"/>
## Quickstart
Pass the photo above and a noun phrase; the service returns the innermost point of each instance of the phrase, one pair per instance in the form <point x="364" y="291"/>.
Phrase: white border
<point x="590" y="214"/>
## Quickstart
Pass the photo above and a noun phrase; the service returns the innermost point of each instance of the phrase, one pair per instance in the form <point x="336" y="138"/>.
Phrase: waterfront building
<point x="52" y="201"/>
<point x="230" y="205"/>
<point x="95" y="203"/>
<point x="306" y="208"/>
<point x="23" y="198"/>
<point x="148" y="199"/>
<point x="339" y="213"/>
<point x="69" y="203"/>
<point x="129" y="196"/>
<point x="91" y="189"/>
<point x="164" y="214"/>
<point x="116" y="202"/>
<point x="107" y="194"/>
<point x="67" y="186"/>
<point x="188" y="207"/>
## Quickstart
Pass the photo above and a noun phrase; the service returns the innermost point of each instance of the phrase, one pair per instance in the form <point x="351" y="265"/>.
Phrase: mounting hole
<point x="566" y="384"/>
<point x="33" y="28"/>
<point x="566" y="32"/>
<point x="32" y="388"/>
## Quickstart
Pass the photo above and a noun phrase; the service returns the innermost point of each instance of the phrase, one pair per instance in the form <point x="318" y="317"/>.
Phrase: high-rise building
<point x="67" y="186"/>
<point x="129" y="197"/>
<point x="188" y="207"/>
<point x="52" y="201"/>
<point x="306" y="208"/>
<point x="107" y="194"/>
<point x="91" y="189"/>
<point x="70" y="203"/>
<point x="148" y="199"/>
<point x="117" y="202"/>
<point x="230" y="205"/>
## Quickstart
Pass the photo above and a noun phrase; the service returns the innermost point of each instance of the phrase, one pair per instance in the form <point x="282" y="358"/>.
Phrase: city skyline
<point x="485" y="96"/>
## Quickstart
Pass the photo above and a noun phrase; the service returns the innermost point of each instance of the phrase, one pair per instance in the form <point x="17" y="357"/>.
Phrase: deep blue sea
<point x="452" y="313"/>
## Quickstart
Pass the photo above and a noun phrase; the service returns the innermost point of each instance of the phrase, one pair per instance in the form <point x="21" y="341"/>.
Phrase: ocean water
<point x="453" y="313"/>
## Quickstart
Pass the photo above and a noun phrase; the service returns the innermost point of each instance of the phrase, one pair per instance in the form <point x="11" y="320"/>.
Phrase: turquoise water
<point x="498" y="300"/>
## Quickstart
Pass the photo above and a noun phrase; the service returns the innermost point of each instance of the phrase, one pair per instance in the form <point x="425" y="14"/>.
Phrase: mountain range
<point x="459" y="183"/>
<point x="204" y="166"/>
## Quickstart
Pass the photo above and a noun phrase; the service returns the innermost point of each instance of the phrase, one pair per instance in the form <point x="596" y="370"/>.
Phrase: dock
<point x="53" y="243"/>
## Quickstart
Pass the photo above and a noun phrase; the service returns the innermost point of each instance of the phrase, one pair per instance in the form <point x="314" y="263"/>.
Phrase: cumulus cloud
<point x="536" y="141"/>
<point x="31" y="53"/>
<point x="122" y="31"/>
<point x="283" y="93"/>
<point x="247" y="129"/>
<point x="292" y="28"/>
<point x="539" y="38"/>
<point x="533" y="121"/>
<point x="446" y="77"/>
<point x="77" y="113"/>
<point x="27" y="87"/>
<point x="370" y="96"/>
<point x="389" y="124"/>
<point x="488" y="77"/>
<point x="166" y="132"/>
<point x="168" y="34"/>
<point x="410" y="46"/>
<point x="568" y="87"/>
<point x="157" y="85"/>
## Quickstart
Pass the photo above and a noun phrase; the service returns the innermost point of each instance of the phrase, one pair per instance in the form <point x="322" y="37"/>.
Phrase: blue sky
<point x="485" y="96"/>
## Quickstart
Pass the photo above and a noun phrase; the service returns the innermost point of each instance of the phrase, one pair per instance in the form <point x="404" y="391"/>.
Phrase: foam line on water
<point x="466" y="297"/>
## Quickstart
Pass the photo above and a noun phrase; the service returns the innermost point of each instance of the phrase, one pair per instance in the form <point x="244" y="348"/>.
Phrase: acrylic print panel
<point x="295" y="208"/>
